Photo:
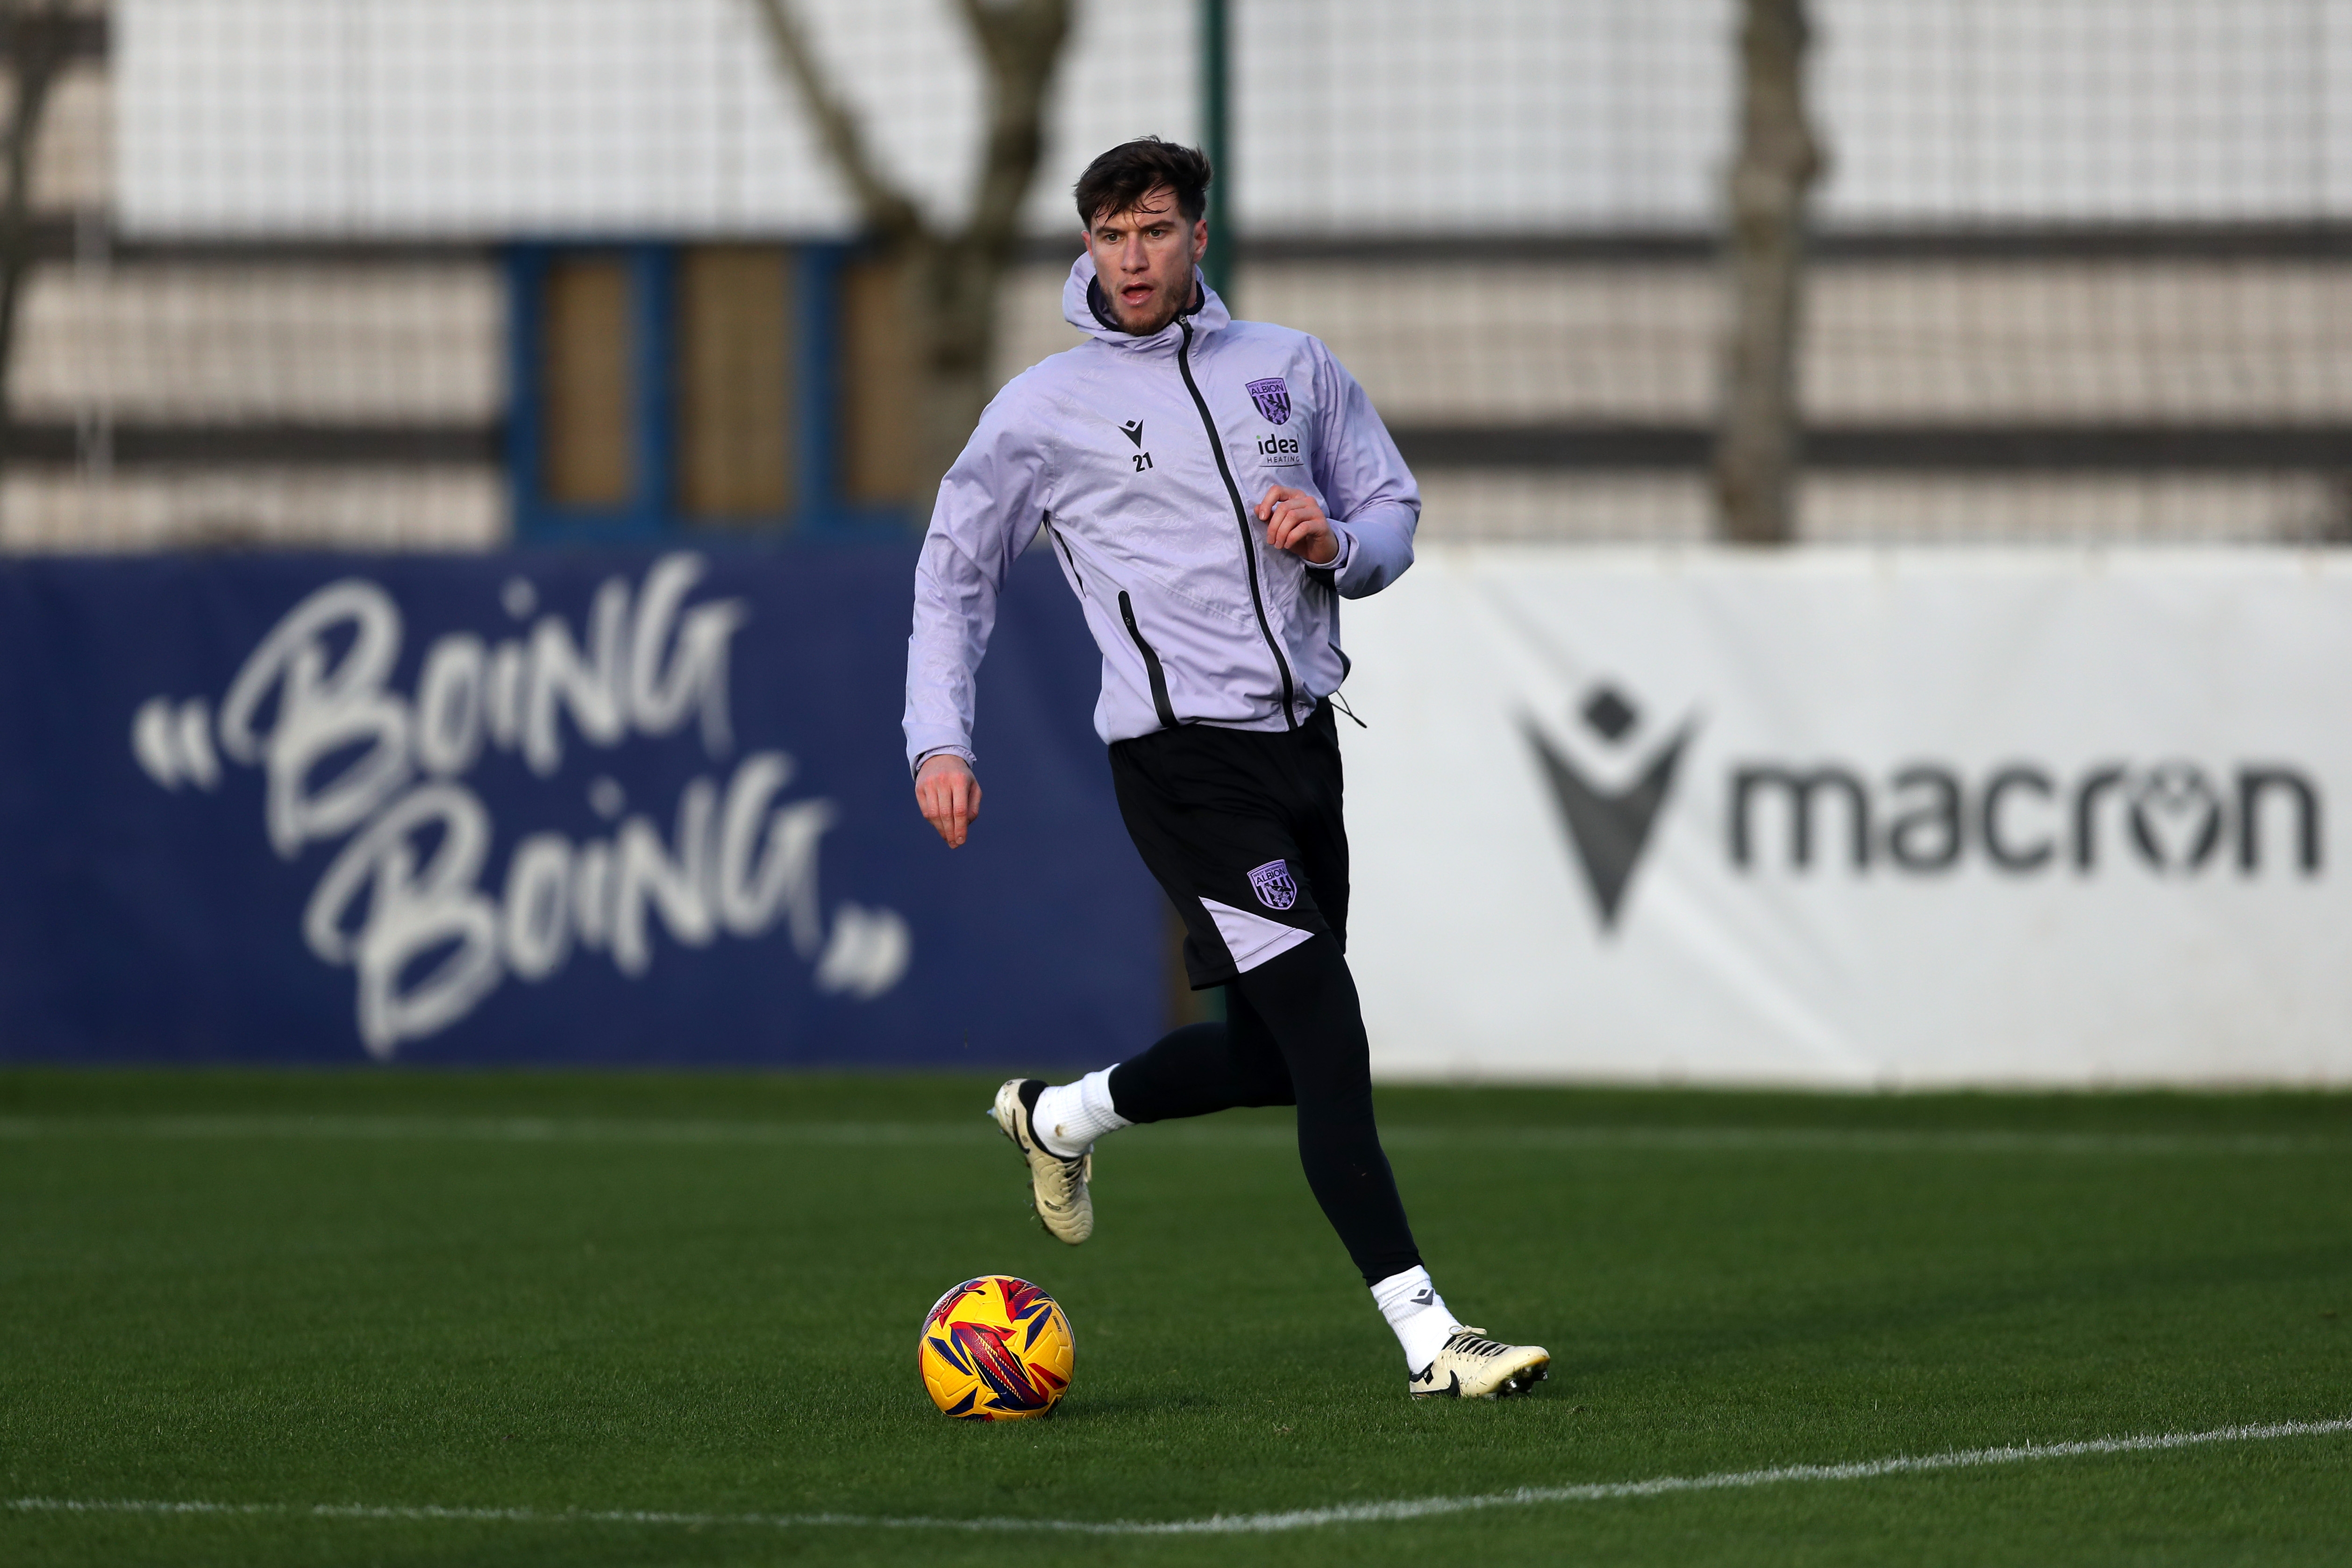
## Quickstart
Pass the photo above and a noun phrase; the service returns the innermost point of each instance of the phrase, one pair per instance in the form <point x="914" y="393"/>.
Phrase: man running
<point x="1218" y="617"/>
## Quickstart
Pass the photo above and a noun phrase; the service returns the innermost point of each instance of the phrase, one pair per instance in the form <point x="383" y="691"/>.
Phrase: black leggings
<point x="1294" y="1035"/>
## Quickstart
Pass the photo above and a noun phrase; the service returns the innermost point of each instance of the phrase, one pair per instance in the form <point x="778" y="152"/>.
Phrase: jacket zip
<point x="1241" y="516"/>
<point x="1159" y="703"/>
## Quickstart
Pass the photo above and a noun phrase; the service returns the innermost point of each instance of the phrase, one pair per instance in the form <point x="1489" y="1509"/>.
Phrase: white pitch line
<point x="1655" y="1140"/>
<point x="1227" y="1524"/>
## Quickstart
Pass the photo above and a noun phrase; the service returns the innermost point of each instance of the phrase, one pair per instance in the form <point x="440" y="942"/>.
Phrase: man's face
<point x="1143" y="258"/>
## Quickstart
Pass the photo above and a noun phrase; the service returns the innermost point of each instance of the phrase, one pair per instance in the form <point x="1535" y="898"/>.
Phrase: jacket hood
<point x="1078" y="309"/>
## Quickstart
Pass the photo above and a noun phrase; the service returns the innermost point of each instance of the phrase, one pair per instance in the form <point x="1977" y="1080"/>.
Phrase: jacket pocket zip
<point x="1159" y="703"/>
<point x="1064" y="546"/>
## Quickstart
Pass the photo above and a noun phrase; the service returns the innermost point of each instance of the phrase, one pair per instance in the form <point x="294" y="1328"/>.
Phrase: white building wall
<point x="504" y="116"/>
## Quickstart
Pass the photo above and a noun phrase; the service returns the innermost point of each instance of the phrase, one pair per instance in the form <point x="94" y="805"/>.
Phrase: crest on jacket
<point x="1273" y="399"/>
<point x="1272" y="885"/>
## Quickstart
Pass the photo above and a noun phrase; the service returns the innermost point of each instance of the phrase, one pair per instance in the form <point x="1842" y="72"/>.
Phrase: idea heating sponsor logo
<point x="2020" y="818"/>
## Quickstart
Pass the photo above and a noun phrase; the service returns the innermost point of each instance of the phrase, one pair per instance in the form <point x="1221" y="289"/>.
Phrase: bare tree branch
<point x="889" y="212"/>
<point x="949" y="280"/>
<point x="1022" y="44"/>
<point x="38" y="48"/>
<point x="1777" y="162"/>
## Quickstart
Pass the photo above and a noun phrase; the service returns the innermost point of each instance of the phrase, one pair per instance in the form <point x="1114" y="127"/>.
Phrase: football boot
<point x="1057" y="1185"/>
<point x="1472" y="1366"/>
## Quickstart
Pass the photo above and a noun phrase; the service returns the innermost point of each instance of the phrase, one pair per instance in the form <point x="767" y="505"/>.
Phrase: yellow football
<point x="996" y="1348"/>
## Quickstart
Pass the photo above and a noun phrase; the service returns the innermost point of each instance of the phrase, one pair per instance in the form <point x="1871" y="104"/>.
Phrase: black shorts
<point x="1243" y="828"/>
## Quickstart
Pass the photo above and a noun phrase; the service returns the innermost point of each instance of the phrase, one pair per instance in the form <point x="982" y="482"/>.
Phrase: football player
<point x="1212" y="489"/>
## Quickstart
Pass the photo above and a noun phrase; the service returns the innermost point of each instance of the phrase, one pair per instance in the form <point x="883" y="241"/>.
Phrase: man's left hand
<point x="1295" y="521"/>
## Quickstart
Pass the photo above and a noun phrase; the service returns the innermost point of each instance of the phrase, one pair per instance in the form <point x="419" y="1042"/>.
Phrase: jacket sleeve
<point x="988" y="506"/>
<point x="1370" y="493"/>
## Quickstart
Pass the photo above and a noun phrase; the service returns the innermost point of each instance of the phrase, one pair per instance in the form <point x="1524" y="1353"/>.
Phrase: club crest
<point x="1272" y="885"/>
<point x="1273" y="400"/>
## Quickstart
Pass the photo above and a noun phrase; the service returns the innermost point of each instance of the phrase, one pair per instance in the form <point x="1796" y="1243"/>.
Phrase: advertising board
<point x="620" y="807"/>
<point x="1855" y="818"/>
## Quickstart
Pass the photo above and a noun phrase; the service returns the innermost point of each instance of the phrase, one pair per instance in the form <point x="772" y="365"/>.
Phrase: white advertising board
<point x="1865" y="819"/>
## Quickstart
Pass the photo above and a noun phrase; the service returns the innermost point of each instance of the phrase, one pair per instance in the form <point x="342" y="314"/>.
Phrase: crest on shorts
<point x="1272" y="885"/>
<point x="1273" y="400"/>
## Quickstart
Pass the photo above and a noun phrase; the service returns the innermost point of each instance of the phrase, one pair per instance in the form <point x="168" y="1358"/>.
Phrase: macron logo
<point x="1610" y="829"/>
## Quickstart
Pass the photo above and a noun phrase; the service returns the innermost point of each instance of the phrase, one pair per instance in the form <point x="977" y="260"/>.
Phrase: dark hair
<point x="1133" y="170"/>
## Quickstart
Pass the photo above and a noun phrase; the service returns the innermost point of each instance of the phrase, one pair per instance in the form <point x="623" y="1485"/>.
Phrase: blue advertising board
<point x="623" y="807"/>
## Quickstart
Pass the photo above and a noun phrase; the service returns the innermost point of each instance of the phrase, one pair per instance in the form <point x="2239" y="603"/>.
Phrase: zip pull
<point x="1341" y="703"/>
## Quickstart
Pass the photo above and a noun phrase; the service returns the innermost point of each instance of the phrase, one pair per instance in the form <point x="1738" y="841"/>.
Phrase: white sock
<point x="1417" y="1312"/>
<point x="1070" y="1117"/>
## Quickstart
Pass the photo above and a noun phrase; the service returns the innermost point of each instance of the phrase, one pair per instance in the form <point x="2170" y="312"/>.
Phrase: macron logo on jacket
<point x="1139" y="460"/>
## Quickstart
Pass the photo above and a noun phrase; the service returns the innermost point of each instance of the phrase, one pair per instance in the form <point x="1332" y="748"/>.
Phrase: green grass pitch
<point x="589" y="1295"/>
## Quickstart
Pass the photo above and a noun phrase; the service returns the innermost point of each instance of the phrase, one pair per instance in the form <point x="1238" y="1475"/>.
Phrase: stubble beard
<point x="1165" y="305"/>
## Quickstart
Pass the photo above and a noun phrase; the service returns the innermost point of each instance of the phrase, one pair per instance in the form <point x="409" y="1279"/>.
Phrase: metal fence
<point x="363" y="272"/>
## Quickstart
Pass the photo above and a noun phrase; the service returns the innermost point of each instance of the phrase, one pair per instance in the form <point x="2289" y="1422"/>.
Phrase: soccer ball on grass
<point x="995" y="1349"/>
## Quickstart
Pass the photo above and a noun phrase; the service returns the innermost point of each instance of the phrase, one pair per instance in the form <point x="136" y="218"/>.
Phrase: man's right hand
<point x="949" y="796"/>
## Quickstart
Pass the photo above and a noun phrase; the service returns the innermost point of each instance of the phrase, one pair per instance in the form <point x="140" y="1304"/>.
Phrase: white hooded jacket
<point x="1141" y="460"/>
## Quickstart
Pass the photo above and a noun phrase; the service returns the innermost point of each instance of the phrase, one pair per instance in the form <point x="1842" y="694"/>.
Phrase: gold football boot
<point x="1472" y="1366"/>
<point x="1057" y="1186"/>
